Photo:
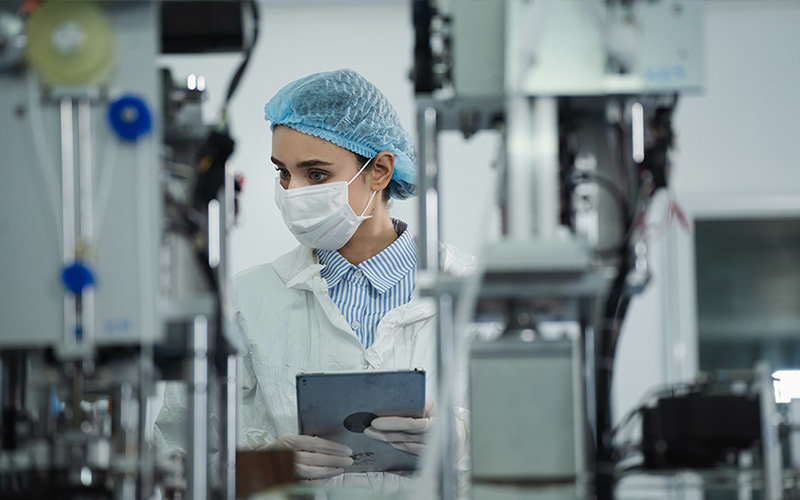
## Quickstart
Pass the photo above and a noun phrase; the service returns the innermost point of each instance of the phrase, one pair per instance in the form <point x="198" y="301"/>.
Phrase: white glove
<point x="404" y="433"/>
<point x="314" y="457"/>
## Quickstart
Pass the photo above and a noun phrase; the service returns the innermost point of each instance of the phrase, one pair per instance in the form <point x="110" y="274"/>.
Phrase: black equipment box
<point x="699" y="431"/>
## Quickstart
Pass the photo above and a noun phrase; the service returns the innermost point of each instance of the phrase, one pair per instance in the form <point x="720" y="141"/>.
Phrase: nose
<point x="295" y="183"/>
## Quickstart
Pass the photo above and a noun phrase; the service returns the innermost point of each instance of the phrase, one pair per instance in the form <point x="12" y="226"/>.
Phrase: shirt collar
<point x="335" y="266"/>
<point x="383" y="270"/>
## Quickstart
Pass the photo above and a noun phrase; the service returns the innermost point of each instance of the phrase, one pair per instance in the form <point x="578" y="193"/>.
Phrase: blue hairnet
<point x="344" y="108"/>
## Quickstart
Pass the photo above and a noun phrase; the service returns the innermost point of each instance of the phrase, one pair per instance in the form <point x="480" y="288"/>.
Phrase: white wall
<point x="739" y="138"/>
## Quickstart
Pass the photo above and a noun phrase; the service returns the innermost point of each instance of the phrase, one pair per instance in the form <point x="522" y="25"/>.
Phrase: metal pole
<point x="770" y="441"/>
<point x="86" y="169"/>
<point x="67" y="180"/>
<point x="130" y="401"/>
<point x="430" y="265"/>
<point x="86" y="210"/>
<point x="445" y="366"/>
<point x="214" y="234"/>
<point x="228" y="421"/>
<point x="198" y="458"/>
<point x="146" y="480"/>
<point x="428" y="241"/>
<point x="68" y="211"/>
<point x="585" y="451"/>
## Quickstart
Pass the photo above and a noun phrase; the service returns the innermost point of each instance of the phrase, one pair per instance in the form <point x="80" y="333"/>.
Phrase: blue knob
<point x="129" y="117"/>
<point x="77" y="277"/>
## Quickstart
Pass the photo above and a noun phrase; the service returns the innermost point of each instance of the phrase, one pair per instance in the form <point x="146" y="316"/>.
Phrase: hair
<point x="362" y="160"/>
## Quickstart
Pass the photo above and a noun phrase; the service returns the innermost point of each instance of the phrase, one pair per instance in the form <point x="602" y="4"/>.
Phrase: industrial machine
<point x="581" y="95"/>
<point x="117" y="201"/>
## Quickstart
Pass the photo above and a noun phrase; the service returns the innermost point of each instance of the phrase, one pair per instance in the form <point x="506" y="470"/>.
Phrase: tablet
<point x="339" y="406"/>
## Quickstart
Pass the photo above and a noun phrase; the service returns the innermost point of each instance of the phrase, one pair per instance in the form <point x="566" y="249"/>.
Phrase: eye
<point x="283" y="173"/>
<point x="317" y="176"/>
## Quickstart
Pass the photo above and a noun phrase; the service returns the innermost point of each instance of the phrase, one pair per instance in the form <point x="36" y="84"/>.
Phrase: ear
<point x="381" y="172"/>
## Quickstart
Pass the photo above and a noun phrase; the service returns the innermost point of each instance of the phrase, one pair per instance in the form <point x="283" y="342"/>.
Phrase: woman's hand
<point x="314" y="457"/>
<point x="404" y="433"/>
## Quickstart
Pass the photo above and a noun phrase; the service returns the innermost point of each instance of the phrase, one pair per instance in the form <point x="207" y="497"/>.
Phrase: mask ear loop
<point x="359" y="172"/>
<point x="373" y="193"/>
<point x="365" y="208"/>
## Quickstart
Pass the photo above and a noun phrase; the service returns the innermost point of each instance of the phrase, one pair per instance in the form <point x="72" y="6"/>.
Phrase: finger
<point x="316" y="472"/>
<point x="376" y="435"/>
<point x="402" y="424"/>
<point x="322" y="460"/>
<point x="393" y="437"/>
<point x="318" y="444"/>
<point x="414" y="449"/>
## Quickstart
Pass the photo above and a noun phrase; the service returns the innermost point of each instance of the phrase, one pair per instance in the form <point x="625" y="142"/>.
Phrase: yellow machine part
<point x="70" y="43"/>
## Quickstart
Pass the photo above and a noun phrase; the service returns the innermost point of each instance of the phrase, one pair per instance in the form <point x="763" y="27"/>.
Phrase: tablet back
<point x="339" y="406"/>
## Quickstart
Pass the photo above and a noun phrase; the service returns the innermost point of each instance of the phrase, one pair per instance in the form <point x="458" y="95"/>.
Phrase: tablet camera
<point x="357" y="422"/>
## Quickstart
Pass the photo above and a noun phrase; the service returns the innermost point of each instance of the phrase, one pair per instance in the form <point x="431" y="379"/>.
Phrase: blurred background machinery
<point x="582" y="96"/>
<point x="116" y="203"/>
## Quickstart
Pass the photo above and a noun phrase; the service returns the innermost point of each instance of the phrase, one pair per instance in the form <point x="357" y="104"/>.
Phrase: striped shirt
<point x="366" y="292"/>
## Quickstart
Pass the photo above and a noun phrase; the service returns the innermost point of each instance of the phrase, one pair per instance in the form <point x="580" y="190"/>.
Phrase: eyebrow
<point x="314" y="162"/>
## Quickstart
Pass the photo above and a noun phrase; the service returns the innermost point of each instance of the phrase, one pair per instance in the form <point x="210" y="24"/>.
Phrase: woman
<point x="344" y="299"/>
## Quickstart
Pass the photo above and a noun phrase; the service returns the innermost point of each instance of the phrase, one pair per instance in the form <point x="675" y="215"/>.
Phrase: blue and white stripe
<point x="366" y="292"/>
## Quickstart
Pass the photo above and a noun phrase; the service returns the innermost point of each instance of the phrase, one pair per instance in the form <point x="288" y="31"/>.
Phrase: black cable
<point x="619" y="198"/>
<point x="628" y="419"/>
<point x="616" y="306"/>
<point x="237" y="76"/>
<point x="213" y="156"/>
<point x="616" y="328"/>
<point x="632" y="203"/>
<point x="608" y="185"/>
<point x="626" y="451"/>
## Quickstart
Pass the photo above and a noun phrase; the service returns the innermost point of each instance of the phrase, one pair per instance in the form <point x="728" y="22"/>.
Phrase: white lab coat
<point x="291" y="325"/>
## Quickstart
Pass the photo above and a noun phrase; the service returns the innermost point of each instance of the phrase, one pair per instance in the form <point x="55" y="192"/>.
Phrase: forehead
<point x="290" y="145"/>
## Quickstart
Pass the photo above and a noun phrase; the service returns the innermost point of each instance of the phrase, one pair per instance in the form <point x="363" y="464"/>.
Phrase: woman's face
<point x="304" y="160"/>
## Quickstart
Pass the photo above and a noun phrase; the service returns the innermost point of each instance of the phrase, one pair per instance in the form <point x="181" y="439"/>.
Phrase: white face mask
<point x="320" y="216"/>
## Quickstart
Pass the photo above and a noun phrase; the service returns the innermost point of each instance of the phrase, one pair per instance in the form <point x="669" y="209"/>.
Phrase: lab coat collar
<point x="411" y="316"/>
<point x="297" y="267"/>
